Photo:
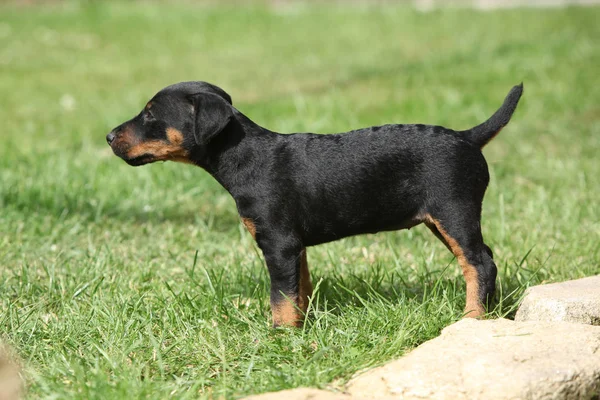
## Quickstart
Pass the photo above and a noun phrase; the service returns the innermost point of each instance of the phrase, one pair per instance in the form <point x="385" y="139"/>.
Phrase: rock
<point x="11" y="384"/>
<point x="570" y="301"/>
<point x="495" y="359"/>
<point x="300" y="394"/>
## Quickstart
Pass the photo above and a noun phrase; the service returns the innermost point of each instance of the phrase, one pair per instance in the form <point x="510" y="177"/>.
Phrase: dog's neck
<point x="236" y="153"/>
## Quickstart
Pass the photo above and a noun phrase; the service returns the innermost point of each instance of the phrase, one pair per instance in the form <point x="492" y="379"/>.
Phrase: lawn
<point x="120" y="282"/>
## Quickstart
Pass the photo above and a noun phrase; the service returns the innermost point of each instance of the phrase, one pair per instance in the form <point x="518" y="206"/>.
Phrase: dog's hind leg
<point x="461" y="233"/>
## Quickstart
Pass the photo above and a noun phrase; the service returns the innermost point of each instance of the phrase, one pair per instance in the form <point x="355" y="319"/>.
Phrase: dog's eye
<point x="148" y="117"/>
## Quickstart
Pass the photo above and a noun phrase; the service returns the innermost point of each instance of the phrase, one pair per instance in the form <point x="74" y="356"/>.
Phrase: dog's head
<point x="177" y="121"/>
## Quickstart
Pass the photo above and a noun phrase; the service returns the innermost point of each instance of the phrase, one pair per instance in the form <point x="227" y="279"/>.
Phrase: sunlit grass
<point x="120" y="282"/>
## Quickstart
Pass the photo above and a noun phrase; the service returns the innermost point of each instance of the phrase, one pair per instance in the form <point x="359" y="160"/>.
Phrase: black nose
<point x="110" y="137"/>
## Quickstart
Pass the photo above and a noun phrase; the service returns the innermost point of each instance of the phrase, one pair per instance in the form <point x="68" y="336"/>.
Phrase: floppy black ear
<point x="212" y="115"/>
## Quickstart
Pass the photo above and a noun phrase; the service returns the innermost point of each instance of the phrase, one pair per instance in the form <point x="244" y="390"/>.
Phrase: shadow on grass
<point x="378" y="284"/>
<point x="391" y="287"/>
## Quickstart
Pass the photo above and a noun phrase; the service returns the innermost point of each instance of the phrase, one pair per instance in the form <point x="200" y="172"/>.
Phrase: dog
<point x="298" y="190"/>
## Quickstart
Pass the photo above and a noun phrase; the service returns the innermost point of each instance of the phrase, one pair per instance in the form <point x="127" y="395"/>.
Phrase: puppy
<point x="304" y="189"/>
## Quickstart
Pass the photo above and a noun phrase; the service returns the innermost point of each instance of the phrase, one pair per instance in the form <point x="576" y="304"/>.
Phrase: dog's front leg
<point x="290" y="280"/>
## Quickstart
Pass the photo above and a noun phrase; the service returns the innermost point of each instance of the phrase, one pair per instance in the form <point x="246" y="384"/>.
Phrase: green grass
<point x="120" y="282"/>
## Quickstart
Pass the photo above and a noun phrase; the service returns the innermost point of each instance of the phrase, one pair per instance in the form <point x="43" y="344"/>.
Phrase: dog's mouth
<point x="122" y="151"/>
<point x="141" y="154"/>
<point x="140" y="160"/>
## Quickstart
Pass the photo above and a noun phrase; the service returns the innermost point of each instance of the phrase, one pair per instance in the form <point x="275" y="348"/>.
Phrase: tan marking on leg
<point x="286" y="313"/>
<point x="292" y="309"/>
<point x="249" y="224"/>
<point x="437" y="233"/>
<point x="473" y="307"/>
<point x="305" y="289"/>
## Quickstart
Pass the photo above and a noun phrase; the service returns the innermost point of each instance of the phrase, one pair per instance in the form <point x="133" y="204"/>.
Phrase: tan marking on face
<point x="162" y="150"/>
<point x="124" y="140"/>
<point x="305" y="289"/>
<point x="473" y="307"/>
<point x="249" y="224"/>
<point x="126" y="136"/>
<point x="286" y="313"/>
<point x="149" y="105"/>
<point x="175" y="136"/>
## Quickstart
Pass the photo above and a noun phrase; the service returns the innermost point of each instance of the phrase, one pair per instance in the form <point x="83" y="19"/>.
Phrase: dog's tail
<point x="483" y="133"/>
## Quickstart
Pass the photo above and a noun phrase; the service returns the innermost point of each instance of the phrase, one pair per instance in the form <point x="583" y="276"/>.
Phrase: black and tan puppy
<point x="299" y="190"/>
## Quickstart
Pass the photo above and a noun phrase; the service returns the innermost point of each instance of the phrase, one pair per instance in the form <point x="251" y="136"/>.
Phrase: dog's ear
<point x="212" y="113"/>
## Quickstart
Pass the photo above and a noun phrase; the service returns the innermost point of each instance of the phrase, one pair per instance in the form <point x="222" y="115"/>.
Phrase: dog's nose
<point x="110" y="137"/>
